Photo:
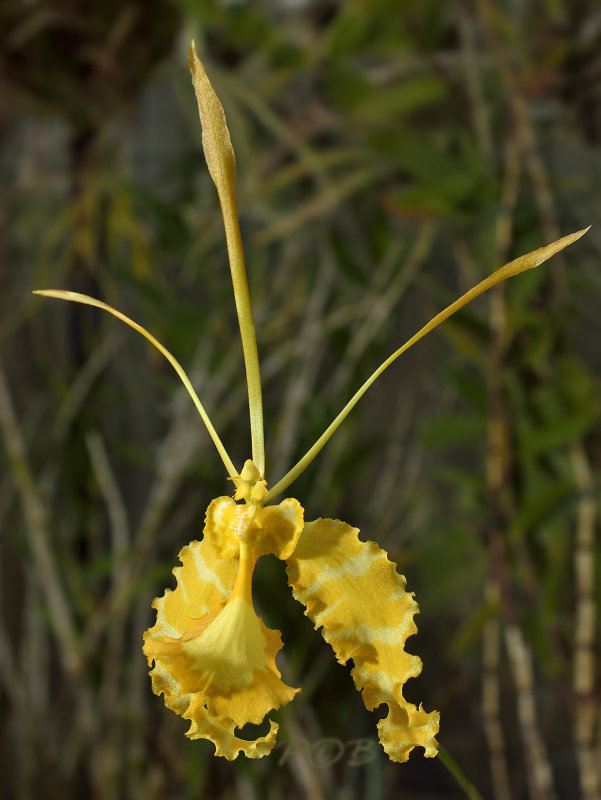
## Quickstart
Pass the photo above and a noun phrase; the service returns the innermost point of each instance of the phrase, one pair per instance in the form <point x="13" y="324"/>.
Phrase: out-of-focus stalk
<point x="498" y="465"/>
<point x="34" y="512"/>
<point x="584" y="636"/>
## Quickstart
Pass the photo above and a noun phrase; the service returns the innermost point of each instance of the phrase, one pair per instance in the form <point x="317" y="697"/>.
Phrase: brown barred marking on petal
<point x="355" y="595"/>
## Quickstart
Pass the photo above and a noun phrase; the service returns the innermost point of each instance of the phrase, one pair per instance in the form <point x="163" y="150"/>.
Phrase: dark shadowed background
<point x="390" y="154"/>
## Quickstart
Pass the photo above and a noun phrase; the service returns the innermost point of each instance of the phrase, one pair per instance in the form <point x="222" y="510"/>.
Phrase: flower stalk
<point x="221" y="161"/>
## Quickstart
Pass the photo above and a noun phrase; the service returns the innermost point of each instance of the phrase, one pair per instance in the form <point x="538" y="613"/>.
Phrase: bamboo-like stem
<point x="35" y="682"/>
<point x="498" y="465"/>
<point x="491" y="705"/>
<point x="113" y="500"/>
<point x="9" y="674"/>
<point x="584" y="629"/>
<point x="221" y="161"/>
<point x="526" y="262"/>
<point x="524" y="127"/>
<point x="474" y="83"/>
<point x="540" y="776"/>
<point x="37" y="533"/>
<point x="301" y="765"/>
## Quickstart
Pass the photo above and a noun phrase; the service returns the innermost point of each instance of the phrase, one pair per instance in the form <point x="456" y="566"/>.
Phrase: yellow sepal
<point x="355" y="595"/>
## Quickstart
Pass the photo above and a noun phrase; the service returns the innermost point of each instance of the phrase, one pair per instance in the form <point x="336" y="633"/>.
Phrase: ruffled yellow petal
<point x="273" y="529"/>
<point x="226" y="524"/>
<point x="228" y="657"/>
<point x="278" y="529"/>
<point x="205" y="726"/>
<point x="204" y="584"/>
<point x="214" y="658"/>
<point x="353" y="592"/>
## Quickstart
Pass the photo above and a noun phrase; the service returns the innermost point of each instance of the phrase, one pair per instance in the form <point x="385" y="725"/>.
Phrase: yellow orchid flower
<point x="212" y="657"/>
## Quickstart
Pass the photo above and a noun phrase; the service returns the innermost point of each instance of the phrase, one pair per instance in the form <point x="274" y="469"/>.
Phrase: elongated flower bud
<point x="216" y="140"/>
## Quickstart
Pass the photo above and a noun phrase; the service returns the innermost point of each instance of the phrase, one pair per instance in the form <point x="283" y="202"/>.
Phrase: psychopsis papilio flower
<point x="212" y="658"/>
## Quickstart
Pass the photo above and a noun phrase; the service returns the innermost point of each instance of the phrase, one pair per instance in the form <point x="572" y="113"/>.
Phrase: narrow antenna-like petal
<point x="91" y="301"/>
<point x="521" y="264"/>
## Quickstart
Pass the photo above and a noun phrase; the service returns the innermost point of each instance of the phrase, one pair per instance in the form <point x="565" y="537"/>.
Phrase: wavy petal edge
<point x="354" y="594"/>
<point x="205" y="583"/>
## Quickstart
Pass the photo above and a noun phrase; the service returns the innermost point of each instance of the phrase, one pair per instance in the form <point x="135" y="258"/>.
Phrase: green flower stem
<point x="455" y="770"/>
<point x="247" y="329"/>
<point x="521" y="264"/>
<point x="221" y="162"/>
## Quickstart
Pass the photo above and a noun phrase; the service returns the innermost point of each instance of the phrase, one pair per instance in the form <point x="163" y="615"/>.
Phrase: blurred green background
<point x="390" y="154"/>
